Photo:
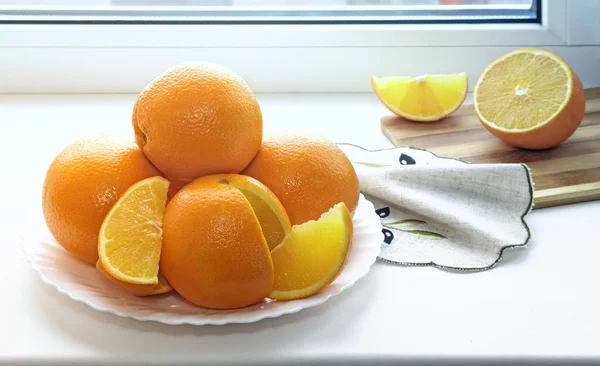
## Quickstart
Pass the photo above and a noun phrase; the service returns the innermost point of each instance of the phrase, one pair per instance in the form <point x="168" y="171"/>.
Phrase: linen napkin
<point x="444" y="212"/>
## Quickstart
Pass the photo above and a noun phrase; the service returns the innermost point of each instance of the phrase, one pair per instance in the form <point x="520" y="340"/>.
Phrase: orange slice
<point x="161" y="287"/>
<point x="425" y="98"/>
<point x="130" y="237"/>
<point x="529" y="98"/>
<point x="269" y="211"/>
<point x="311" y="255"/>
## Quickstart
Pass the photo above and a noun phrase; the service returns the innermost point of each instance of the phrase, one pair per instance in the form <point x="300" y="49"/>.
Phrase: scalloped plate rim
<point x="231" y="318"/>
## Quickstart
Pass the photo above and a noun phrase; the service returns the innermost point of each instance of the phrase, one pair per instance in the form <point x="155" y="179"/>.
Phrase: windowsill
<point x="536" y="305"/>
<point x="101" y="58"/>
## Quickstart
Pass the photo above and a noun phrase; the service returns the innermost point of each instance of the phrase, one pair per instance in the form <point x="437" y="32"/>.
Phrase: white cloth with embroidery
<point x="444" y="212"/>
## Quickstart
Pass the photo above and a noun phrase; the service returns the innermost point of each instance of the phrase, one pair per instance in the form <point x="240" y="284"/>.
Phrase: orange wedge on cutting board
<point x="425" y="98"/>
<point x="530" y="98"/>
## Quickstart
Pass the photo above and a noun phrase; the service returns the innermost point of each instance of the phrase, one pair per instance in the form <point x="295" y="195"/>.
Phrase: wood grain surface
<point x="565" y="174"/>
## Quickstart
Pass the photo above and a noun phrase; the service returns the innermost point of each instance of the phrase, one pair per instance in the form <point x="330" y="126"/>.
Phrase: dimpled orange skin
<point x="198" y="119"/>
<point x="214" y="253"/>
<point x="307" y="172"/>
<point x="175" y="186"/>
<point x="82" y="184"/>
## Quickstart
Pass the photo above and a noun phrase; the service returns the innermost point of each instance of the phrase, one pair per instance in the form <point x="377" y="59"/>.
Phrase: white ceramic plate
<point x="81" y="282"/>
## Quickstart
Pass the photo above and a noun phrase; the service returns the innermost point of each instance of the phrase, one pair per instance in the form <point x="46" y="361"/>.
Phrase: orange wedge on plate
<point x="161" y="287"/>
<point x="425" y="98"/>
<point x="130" y="237"/>
<point x="269" y="211"/>
<point x="530" y="98"/>
<point x="312" y="255"/>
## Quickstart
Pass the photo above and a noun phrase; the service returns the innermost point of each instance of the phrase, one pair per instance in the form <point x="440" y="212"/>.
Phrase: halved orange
<point x="130" y="238"/>
<point x="530" y="98"/>
<point x="425" y="98"/>
<point x="161" y="287"/>
<point x="312" y="255"/>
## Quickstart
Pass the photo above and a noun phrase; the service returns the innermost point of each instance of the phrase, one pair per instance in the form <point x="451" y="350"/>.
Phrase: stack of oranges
<point x="202" y="203"/>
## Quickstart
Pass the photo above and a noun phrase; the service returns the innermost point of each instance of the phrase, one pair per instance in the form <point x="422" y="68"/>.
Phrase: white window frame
<point x="285" y="58"/>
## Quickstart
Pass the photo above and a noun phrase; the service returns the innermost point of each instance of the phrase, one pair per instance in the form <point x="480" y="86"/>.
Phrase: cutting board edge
<point x="546" y="198"/>
<point x="567" y="195"/>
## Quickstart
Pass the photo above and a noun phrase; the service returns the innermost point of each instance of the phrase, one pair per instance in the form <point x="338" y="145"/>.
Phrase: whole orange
<point x="82" y="184"/>
<point x="307" y="172"/>
<point x="214" y="252"/>
<point x="196" y="119"/>
<point x="175" y="186"/>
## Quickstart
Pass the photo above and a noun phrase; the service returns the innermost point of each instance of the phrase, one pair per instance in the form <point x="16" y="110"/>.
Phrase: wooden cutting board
<point x="565" y="174"/>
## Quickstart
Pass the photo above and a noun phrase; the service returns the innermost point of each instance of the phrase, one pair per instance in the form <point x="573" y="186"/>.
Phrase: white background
<point x="311" y="58"/>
